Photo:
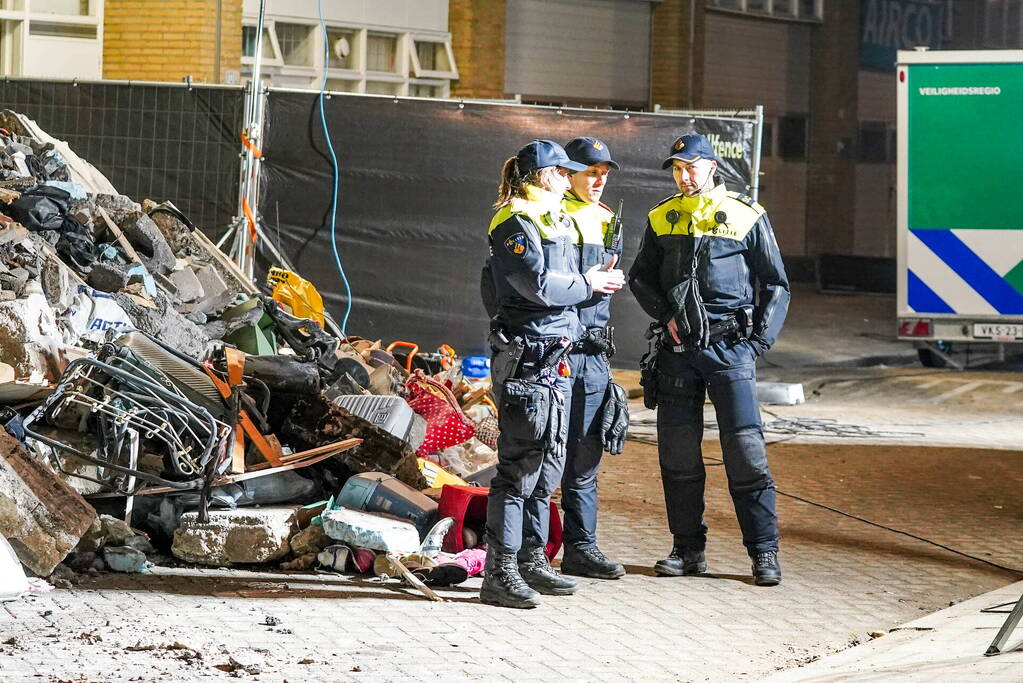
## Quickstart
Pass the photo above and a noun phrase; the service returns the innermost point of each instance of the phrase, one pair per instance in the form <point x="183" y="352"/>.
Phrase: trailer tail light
<point x="915" y="327"/>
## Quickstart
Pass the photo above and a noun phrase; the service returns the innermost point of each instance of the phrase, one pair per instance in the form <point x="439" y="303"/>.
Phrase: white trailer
<point x="960" y="199"/>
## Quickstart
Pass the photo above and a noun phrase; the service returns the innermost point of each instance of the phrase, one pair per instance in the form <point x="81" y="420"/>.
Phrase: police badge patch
<point x="516" y="244"/>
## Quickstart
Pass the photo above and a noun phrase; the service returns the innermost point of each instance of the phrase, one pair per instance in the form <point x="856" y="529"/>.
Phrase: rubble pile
<point x="160" y="407"/>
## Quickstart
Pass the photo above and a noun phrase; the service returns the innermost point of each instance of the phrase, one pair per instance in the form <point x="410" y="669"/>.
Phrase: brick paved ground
<point x="843" y="580"/>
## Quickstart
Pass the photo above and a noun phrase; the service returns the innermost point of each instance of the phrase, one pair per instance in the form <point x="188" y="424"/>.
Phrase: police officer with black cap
<point x="598" y="414"/>
<point x="531" y="286"/>
<point x="710" y="274"/>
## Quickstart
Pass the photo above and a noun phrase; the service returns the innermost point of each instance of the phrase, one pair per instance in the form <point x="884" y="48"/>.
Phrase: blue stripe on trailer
<point x="922" y="298"/>
<point x="973" y="270"/>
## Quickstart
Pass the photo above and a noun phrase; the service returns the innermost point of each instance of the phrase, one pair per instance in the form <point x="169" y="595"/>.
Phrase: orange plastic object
<point x="447" y="355"/>
<point x="411" y="354"/>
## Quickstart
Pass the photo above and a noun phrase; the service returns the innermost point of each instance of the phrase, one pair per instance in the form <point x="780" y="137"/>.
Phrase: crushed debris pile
<point x="152" y="396"/>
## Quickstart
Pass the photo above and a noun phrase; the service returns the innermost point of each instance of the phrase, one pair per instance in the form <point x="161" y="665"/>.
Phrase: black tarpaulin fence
<point x="417" y="180"/>
<point x="151" y="140"/>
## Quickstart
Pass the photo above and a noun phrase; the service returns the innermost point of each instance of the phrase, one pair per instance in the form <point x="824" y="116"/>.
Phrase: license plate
<point x="999" y="331"/>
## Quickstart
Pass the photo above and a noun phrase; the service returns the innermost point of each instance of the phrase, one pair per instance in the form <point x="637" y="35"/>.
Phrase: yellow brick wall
<point x="167" y="40"/>
<point x="671" y="52"/>
<point x="478" y="38"/>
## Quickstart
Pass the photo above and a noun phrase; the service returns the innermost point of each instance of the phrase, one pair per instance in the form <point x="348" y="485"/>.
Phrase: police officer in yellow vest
<point x="531" y="286"/>
<point x="710" y="274"/>
<point x="593" y="394"/>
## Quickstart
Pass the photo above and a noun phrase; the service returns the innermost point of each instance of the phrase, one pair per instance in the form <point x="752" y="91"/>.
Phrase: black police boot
<point x="502" y="584"/>
<point x="766" y="569"/>
<point x="682" y="562"/>
<point x="590" y="562"/>
<point x="538" y="573"/>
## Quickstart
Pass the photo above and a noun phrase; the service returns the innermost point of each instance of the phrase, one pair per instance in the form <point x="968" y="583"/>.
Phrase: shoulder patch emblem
<point x="516" y="244"/>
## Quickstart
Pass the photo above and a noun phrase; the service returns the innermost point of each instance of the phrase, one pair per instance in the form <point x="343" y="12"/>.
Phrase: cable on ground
<point x="1014" y="570"/>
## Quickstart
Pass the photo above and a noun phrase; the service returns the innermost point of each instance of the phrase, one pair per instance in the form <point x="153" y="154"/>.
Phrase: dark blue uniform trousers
<point x="727" y="373"/>
<point x="590" y="376"/>
<point x="519" y="504"/>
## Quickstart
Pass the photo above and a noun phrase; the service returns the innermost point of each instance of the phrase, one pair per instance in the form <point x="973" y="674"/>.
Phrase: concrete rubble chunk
<point x="149" y="242"/>
<point x="41" y="516"/>
<point x="188" y="285"/>
<point x="312" y="539"/>
<point x="241" y="536"/>
<point x="29" y="337"/>
<point x="108" y="276"/>
<point x="166" y="324"/>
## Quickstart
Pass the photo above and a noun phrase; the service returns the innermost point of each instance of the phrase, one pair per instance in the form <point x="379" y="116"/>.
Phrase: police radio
<point x="613" y="238"/>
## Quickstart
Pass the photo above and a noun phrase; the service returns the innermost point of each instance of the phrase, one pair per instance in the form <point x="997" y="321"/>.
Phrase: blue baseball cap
<point x="590" y="151"/>
<point x="544" y="153"/>
<point x="689" y="148"/>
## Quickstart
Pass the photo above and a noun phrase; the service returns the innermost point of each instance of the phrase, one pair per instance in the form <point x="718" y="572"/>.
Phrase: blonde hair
<point x="513" y="183"/>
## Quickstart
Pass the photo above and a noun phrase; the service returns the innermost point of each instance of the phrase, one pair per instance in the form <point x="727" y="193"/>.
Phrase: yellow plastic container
<point x="297" y="294"/>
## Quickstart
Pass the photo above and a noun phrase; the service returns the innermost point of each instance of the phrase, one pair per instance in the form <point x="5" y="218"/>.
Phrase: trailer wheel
<point x="929" y="359"/>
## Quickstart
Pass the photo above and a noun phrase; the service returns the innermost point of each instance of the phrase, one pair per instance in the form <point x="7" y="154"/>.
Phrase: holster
<point x="534" y="411"/>
<point x="648" y="366"/>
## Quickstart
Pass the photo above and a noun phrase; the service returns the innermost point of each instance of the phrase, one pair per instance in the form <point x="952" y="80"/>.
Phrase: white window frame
<point x="418" y="71"/>
<point x="769" y="12"/>
<point x="271" y="33"/>
<point x="407" y="69"/>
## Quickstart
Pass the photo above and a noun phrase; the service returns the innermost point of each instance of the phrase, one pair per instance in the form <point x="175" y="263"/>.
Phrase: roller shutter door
<point x="582" y="51"/>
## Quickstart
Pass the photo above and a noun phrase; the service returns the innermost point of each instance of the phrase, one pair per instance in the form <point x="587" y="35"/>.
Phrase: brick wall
<point x="674" y="57"/>
<point x="166" y="41"/>
<point x="478" y="39"/>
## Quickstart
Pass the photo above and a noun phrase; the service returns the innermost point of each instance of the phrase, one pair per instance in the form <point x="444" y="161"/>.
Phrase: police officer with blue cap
<point x="531" y="286"/>
<point x="710" y="274"/>
<point x="598" y="414"/>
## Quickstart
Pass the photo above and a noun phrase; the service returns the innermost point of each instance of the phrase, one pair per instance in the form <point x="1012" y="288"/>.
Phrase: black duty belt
<point x="529" y="357"/>
<point x="596" y="342"/>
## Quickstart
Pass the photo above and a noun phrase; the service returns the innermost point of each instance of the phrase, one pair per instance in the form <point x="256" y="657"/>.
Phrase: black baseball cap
<point x="543" y="153"/>
<point x="689" y="148"/>
<point x="590" y="151"/>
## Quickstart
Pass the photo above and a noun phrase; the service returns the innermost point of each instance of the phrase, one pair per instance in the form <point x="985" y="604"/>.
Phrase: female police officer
<point x="531" y="285"/>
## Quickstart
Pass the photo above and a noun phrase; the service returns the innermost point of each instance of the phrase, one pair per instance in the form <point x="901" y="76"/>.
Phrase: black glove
<point x="759" y="345"/>
<point x="614" y="420"/>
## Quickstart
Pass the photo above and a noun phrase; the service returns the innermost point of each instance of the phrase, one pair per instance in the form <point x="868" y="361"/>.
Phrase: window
<point x="1002" y="23"/>
<point x="792" y="137"/>
<point x="249" y="42"/>
<point x="383" y="88"/>
<point x="296" y="42"/>
<point x="380" y="51"/>
<point x="432" y="56"/>
<point x="873" y="143"/>
<point x="424" y="90"/>
<point x="61" y="30"/>
<point x="767" y="140"/>
<point x="79" y="8"/>
<point x="805" y="10"/>
<point x="342" y="48"/>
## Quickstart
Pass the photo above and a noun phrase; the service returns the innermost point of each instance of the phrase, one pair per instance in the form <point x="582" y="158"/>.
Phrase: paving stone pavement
<point x="844" y="580"/>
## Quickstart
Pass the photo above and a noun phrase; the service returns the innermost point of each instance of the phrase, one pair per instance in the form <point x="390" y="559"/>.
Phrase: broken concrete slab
<point x="166" y="324"/>
<point x="241" y="536"/>
<point x="188" y="285"/>
<point x="108" y="276"/>
<point x="41" y="516"/>
<point x="149" y="242"/>
<point x="30" y="339"/>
